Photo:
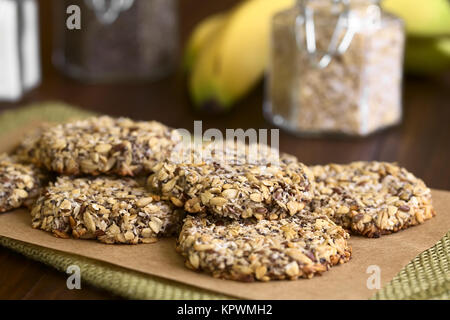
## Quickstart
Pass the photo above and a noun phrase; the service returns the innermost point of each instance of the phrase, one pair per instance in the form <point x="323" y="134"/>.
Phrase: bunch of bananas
<point x="228" y="52"/>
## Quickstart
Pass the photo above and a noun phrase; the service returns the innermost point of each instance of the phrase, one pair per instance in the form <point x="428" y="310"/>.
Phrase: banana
<point x="202" y="33"/>
<point x="422" y="18"/>
<point x="235" y="59"/>
<point x="427" y="55"/>
<point x="443" y="46"/>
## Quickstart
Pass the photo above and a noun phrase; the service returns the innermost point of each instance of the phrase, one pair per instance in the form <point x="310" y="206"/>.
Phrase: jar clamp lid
<point x="346" y="25"/>
<point x="107" y="11"/>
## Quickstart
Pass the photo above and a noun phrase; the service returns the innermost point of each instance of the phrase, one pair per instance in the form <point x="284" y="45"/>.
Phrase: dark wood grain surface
<point x="421" y="143"/>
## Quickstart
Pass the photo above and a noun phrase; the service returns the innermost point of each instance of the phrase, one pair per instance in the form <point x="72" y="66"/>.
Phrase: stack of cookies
<point x="240" y="212"/>
<point x="100" y="164"/>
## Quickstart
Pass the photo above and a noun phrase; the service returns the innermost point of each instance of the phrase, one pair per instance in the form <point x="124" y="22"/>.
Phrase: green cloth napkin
<point x="425" y="277"/>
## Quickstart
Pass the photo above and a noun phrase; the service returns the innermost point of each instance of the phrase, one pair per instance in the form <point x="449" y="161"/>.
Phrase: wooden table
<point x="421" y="143"/>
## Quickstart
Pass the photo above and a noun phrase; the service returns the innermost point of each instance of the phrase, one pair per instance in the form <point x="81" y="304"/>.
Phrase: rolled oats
<point x="371" y="198"/>
<point x="248" y="250"/>
<point x="103" y="145"/>
<point x="230" y="151"/>
<point x="107" y="209"/>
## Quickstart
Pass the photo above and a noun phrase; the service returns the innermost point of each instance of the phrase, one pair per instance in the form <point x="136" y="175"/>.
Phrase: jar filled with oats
<point x="335" y="68"/>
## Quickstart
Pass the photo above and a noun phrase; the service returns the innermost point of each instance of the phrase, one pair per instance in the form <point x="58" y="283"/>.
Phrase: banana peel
<point x="427" y="56"/>
<point x="427" y="23"/>
<point x="233" y="61"/>
<point x="204" y="31"/>
<point x="430" y="18"/>
<point x="203" y="83"/>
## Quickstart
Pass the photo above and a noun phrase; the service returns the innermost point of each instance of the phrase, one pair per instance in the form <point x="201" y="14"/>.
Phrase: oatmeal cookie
<point x="25" y="152"/>
<point x="236" y="190"/>
<point x="20" y="184"/>
<point x="371" y="198"/>
<point x="107" y="209"/>
<point x="103" y="145"/>
<point x="247" y="250"/>
<point x="235" y="152"/>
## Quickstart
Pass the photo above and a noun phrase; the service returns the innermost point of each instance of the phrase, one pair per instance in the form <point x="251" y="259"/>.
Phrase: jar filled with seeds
<point x="335" y="68"/>
<point x="115" y="40"/>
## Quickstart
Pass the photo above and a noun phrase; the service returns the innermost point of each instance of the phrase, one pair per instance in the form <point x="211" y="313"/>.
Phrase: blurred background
<point x="180" y="61"/>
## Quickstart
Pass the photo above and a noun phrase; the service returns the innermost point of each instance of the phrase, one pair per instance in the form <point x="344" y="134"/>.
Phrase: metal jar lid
<point x="345" y="25"/>
<point x="107" y="11"/>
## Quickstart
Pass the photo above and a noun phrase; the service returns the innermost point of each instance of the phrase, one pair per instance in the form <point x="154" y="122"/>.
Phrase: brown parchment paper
<point x="348" y="281"/>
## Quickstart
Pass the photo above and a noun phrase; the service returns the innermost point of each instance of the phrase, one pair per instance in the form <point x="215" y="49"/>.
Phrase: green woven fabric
<point x="120" y="281"/>
<point x="48" y="112"/>
<point x="426" y="277"/>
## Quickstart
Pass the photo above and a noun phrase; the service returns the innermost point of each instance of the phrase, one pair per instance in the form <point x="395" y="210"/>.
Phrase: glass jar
<point x="335" y="68"/>
<point x="116" y="39"/>
<point x="20" y="66"/>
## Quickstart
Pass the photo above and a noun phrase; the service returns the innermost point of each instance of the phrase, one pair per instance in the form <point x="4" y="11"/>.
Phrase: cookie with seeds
<point x="20" y="184"/>
<point x="111" y="210"/>
<point x="236" y="190"/>
<point x="371" y="198"/>
<point x="229" y="151"/>
<point x="300" y="246"/>
<point x="25" y="151"/>
<point x="105" y="145"/>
